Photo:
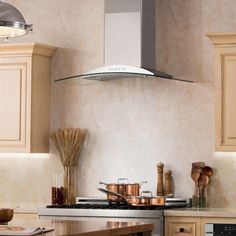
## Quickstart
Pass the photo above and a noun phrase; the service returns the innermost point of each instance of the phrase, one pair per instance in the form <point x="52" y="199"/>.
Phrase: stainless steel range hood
<point x="129" y="42"/>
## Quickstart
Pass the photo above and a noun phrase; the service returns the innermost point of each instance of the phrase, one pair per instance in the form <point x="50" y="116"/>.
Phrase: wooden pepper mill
<point x="168" y="184"/>
<point x="160" y="185"/>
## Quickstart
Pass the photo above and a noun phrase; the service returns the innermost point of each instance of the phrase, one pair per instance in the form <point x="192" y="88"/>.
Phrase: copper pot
<point x="146" y="199"/>
<point x="143" y="200"/>
<point x="119" y="188"/>
<point x="124" y="188"/>
<point x="133" y="189"/>
<point x="153" y="201"/>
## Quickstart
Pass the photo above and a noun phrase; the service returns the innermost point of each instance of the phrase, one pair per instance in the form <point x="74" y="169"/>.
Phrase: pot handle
<point x="125" y="180"/>
<point x="100" y="182"/>
<point x="147" y="193"/>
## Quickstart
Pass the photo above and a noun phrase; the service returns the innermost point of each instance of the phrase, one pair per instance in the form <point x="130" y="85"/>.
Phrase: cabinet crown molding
<point x="226" y="39"/>
<point x="27" y="49"/>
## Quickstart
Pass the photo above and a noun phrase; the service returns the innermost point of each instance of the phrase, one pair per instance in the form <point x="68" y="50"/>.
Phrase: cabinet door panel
<point x="229" y="104"/>
<point x="12" y="104"/>
<point x="225" y="68"/>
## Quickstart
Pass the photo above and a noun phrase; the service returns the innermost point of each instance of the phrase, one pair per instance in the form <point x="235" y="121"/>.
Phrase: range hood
<point x="129" y="42"/>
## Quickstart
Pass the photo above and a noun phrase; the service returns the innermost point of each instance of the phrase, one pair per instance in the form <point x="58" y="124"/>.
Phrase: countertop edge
<point x="19" y="211"/>
<point x="204" y="212"/>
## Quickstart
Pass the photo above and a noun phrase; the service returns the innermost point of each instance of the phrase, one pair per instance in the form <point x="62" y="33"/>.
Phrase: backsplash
<point x="132" y="123"/>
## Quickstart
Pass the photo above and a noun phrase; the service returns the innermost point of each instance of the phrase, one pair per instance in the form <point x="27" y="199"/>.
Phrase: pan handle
<point x="103" y="190"/>
<point x="100" y="182"/>
<point x="112" y="193"/>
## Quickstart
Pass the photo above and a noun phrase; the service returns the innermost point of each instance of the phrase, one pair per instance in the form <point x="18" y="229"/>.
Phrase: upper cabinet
<point x="225" y="72"/>
<point x="24" y="97"/>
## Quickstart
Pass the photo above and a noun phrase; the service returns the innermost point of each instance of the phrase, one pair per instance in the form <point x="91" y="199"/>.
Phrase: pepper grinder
<point x="168" y="189"/>
<point x="160" y="186"/>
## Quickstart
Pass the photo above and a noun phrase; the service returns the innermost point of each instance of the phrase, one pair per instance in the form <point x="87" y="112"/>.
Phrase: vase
<point x="70" y="185"/>
<point x="57" y="189"/>
<point x="203" y="199"/>
<point x="196" y="197"/>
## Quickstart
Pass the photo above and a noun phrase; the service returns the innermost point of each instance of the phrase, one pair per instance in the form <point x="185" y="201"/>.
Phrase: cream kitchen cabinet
<point x="193" y="225"/>
<point x="24" y="97"/>
<point x="182" y="226"/>
<point x="225" y="72"/>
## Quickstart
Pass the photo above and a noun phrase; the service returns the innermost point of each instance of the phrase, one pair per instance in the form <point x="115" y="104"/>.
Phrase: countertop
<point x="87" y="228"/>
<point x="202" y="212"/>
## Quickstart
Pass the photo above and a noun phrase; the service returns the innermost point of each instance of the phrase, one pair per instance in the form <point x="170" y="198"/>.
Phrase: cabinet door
<point x="182" y="226"/>
<point x="225" y="105"/>
<point x="13" y="103"/>
<point x="225" y="71"/>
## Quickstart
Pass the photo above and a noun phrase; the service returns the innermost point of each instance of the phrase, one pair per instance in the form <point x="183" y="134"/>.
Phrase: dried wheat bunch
<point x="69" y="143"/>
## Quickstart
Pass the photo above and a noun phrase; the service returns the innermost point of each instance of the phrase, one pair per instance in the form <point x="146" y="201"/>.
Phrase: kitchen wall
<point x="134" y="123"/>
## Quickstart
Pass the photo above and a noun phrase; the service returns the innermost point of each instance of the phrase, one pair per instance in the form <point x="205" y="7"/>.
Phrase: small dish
<point x="6" y="215"/>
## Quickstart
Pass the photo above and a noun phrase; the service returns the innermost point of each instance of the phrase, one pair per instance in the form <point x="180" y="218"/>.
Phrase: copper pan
<point x="153" y="200"/>
<point x="136" y="200"/>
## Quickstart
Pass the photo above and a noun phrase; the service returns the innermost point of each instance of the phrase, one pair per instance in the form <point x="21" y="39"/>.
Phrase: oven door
<point x="220" y="229"/>
<point x="157" y="222"/>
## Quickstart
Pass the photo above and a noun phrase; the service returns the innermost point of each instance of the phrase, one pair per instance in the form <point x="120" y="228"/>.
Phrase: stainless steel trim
<point x="209" y="228"/>
<point x="152" y="214"/>
<point x="15" y="24"/>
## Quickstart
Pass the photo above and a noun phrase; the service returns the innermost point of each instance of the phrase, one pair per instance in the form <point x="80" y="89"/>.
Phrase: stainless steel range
<point x="94" y="209"/>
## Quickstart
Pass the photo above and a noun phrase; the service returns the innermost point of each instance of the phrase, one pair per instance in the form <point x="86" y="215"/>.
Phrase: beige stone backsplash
<point x="132" y="123"/>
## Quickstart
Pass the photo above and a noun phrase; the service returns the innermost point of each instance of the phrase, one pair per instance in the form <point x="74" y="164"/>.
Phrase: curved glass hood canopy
<point x="129" y="43"/>
<point x="120" y="72"/>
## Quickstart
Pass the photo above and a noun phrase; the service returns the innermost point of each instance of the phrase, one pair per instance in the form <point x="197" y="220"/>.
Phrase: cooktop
<point x="100" y="203"/>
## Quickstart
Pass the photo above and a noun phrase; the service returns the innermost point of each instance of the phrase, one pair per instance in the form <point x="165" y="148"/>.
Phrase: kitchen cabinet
<point x="192" y="226"/>
<point x="24" y="97"/>
<point x="182" y="226"/>
<point x="225" y="85"/>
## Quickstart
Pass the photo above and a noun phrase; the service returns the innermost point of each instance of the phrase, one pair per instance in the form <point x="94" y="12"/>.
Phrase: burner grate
<point x="112" y="207"/>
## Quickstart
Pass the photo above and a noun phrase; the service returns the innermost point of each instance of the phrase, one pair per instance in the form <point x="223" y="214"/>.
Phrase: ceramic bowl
<point x="6" y="215"/>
